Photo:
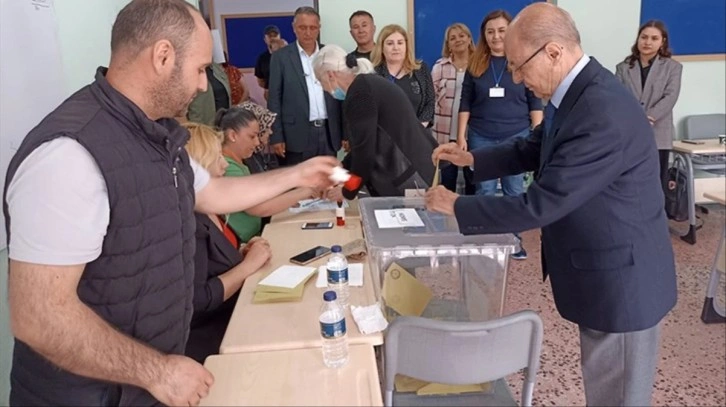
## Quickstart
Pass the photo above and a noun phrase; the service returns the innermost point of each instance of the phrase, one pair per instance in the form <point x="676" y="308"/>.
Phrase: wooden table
<point x="712" y="310"/>
<point x="351" y="214"/>
<point x="294" y="325"/>
<point x="687" y="151"/>
<point x="293" y="377"/>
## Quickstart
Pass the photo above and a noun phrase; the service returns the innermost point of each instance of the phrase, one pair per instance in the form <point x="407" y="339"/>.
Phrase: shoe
<point x="520" y="255"/>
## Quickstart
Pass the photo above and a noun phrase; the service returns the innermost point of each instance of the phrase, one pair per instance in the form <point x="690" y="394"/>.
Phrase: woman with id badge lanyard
<point x="494" y="108"/>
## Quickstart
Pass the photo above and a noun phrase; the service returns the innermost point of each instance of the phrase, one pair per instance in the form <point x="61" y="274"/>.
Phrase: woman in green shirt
<point x="241" y="137"/>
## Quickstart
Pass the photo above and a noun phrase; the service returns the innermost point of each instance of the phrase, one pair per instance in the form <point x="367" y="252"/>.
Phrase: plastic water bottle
<point x="338" y="275"/>
<point x="332" y="329"/>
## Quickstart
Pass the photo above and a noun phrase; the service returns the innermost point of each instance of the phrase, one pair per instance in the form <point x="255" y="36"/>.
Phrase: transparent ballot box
<point x="425" y="267"/>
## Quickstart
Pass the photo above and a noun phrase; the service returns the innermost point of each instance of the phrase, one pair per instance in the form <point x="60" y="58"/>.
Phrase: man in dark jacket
<point x="101" y="252"/>
<point x="597" y="198"/>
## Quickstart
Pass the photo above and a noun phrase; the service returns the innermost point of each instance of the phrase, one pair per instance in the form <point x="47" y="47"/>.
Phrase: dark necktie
<point x="549" y="117"/>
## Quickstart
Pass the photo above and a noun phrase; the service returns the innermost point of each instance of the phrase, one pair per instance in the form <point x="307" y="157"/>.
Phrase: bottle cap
<point x="330" y="296"/>
<point x="336" y="249"/>
<point x="353" y="183"/>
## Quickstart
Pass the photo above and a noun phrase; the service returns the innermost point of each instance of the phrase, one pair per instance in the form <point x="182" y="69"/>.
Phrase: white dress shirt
<point x="315" y="89"/>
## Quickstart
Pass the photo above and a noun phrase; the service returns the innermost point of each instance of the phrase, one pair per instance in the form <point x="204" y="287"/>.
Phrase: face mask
<point x="338" y="93"/>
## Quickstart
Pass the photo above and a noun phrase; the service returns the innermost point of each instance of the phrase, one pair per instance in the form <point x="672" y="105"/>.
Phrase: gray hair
<point x="334" y="59"/>
<point x="305" y="10"/>
<point x="141" y="23"/>
<point x="552" y="23"/>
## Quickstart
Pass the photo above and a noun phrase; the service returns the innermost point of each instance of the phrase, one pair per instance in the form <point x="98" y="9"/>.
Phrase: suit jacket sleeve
<point x="428" y="100"/>
<point x="274" y="98"/>
<point x="514" y="156"/>
<point x="668" y="100"/>
<point x="361" y="114"/>
<point x="208" y="291"/>
<point x="621" y="71"/>
<point x="585" y="160"/>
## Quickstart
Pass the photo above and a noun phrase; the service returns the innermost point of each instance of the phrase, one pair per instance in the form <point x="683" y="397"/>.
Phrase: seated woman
<point x="241" y="130"/>
<point x="220" y="264"/>
<point x="263" y="159"/>
<point x="389" y="149"/>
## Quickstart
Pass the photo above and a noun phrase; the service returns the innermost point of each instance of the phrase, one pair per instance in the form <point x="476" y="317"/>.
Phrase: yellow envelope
<point x="264" y="297"/>
<point x="265" y="294"/>
<point x="405" y="384"/>
<point x="435" y="182"/>
<point x="278" y="289"/>
<point x="403" y="293"/>
<point x="439" y="388"/>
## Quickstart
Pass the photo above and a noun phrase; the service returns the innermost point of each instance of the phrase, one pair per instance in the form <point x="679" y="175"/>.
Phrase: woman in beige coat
<point x="655" y="80"/>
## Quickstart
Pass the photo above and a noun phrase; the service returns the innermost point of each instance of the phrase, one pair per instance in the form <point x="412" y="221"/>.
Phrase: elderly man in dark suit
<point x="597" y="198"/>
<point x="309" y="119"/>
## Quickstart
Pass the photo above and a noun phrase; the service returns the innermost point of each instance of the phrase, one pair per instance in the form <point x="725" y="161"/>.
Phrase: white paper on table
<point x="314" y="205"/>
<point x="355" y="276"/>
<point x="397" y="218"/>
<point x="369" y="319"/>
<point x="287" y="276"/>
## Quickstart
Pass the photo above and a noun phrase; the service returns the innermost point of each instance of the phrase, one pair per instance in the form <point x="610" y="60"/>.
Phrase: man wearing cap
<point x="262" y="67"/>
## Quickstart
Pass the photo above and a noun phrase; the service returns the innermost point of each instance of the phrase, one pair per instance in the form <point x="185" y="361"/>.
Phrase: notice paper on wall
<point x="398" y="218"/>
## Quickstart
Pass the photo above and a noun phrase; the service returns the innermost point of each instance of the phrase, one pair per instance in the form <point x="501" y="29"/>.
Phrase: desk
<point x="713" y="311"/>
<point x="686" y="150"/>
<point x="351" y="214"/>
<point x="293" y="377"/>
<point x="294" y="325"/>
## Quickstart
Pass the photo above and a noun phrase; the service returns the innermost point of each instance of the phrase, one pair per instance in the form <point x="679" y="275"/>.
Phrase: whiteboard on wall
<point x="31" y="78"/>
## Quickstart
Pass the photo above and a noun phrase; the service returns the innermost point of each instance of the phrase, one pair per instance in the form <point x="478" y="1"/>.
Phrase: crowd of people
<point x="132" y="256"/>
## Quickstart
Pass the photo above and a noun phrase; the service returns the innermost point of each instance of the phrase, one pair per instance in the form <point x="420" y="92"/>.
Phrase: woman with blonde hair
<point x="448" y="75"/>
<point x="221" y="265"/>
<point x="389" y="149"/>
<point x="394" y="60"/>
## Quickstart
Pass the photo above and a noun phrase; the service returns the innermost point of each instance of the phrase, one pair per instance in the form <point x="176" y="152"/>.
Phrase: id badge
<point x="496" y="92"/>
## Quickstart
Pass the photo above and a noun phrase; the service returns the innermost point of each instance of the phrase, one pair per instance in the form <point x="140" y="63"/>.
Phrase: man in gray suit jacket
<point x="309" y="120"/>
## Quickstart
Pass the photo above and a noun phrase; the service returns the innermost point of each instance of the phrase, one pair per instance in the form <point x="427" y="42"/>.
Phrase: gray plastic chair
<point x="703" y="126"/>
<point x="459" y="353"/>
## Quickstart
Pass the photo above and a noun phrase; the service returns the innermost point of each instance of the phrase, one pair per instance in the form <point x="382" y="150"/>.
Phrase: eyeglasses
<point x="529" y="59"/>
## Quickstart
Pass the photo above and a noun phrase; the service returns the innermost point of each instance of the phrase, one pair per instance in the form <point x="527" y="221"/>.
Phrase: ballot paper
<point x="315" y="205"/>
<point x="355" y="276"/>
<point x="397" y="218"/>
<point x="437" y="174"/>
<point x="286" y="278"/>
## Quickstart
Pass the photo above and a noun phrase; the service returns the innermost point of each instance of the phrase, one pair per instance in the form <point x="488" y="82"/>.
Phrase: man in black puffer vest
<point x="99" y="203"/>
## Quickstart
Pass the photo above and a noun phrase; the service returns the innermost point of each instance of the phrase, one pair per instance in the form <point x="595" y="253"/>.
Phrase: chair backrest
<point x="702" y="126"/>
<point x="464" y="352"/>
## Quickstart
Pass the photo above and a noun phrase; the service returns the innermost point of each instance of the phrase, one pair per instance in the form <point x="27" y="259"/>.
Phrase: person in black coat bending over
<point x="389" y="149"/>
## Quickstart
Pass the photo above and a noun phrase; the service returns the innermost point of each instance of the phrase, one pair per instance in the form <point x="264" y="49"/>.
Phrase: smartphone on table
<point x="309" y="255"/>
<point x="317" y="225"/>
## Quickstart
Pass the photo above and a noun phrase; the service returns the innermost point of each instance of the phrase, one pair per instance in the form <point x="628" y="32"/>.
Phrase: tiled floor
<point x="692" y="367"/>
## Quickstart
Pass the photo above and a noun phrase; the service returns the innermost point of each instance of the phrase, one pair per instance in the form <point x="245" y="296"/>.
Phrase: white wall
<point x="608" y="30"/>
<point x="335" y="13"/>
<point x="84" y="28"/>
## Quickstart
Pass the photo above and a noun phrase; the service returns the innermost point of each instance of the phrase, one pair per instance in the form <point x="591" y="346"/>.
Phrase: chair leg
<point x="527" y="390"/>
